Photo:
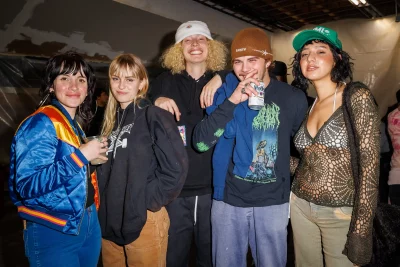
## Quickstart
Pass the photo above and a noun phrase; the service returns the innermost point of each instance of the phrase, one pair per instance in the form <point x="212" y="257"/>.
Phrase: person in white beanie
<point x="192" y="62"/>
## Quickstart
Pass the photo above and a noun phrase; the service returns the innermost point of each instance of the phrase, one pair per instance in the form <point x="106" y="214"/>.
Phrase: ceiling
<point x="290" y="15"/>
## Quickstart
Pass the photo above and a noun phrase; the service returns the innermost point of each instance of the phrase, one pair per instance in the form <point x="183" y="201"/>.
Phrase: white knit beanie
<point x="190" y="28"/>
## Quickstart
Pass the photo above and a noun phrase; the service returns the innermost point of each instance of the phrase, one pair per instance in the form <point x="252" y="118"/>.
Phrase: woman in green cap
<point x="336" y="179"/>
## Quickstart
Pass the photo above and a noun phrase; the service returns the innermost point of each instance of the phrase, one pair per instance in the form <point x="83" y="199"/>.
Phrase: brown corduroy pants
<point x="150" y="249"/>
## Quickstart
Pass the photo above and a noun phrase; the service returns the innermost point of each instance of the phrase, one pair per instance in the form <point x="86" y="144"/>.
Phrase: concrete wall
<point x="101" y="29"/>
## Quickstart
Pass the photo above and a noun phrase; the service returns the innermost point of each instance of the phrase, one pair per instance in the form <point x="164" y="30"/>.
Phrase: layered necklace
<point x="120" y="120"/>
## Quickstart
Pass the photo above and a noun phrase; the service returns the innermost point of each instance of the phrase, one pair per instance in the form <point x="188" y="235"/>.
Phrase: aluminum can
<point x="256" y="102"/>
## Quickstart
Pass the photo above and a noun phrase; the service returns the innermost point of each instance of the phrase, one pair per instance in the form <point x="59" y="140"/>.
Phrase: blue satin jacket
<point x="48" y="181"/>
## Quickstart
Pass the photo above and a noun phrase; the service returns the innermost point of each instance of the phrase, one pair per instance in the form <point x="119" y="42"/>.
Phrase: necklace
<point x="120" y="121"/>
<point x="334" y="98"/>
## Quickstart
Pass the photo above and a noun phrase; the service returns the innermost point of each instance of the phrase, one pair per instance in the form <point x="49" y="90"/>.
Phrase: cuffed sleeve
<point x="211" y="128"/>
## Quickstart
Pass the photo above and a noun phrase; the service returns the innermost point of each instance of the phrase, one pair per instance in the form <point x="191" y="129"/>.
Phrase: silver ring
<point x="243" y="90"/>
<point x="99" y="139"/>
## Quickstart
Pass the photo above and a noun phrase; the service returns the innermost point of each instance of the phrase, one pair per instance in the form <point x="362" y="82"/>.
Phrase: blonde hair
<point x="123" y="63"/>
<point x="173" y="58"/>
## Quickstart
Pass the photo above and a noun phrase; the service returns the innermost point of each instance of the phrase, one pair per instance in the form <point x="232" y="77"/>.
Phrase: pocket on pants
<point x="346" y="211"/>
<point x="154" y="231"/>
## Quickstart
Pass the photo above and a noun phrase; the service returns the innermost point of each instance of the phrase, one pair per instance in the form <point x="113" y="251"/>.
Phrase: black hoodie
<point x="146" y="169"/>
<point x="185" y="91"/>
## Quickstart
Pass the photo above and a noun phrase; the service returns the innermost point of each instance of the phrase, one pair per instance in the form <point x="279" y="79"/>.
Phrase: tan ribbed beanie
<point x="251" y="42"/>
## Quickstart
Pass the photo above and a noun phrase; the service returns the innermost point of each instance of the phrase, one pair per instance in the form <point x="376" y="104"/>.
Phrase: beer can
<point x="256" y="102"/>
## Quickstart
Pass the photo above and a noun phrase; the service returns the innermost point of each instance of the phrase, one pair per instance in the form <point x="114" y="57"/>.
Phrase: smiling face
<point x="243" y="65"/>
<point x="316" y="61"/>
<point x="70" y="90"/>
<point x="125" y="86"/>
<point x="195" y="49"/>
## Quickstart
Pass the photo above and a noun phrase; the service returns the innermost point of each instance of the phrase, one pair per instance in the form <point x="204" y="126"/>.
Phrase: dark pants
<point x="189" y="217"/>
<point x="394" y="194"/>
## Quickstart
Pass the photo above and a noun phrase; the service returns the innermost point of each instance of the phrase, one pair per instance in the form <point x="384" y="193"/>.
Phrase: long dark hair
<point x="341" y="72"/>
<point x="69" y="63"/>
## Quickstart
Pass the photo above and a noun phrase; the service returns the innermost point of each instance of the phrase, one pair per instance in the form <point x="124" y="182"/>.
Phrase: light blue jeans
<point x="235" y="228"/>
<point x="46" y="247"/>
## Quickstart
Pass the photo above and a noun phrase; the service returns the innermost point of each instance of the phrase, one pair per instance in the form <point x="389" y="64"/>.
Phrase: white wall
<point x="373" y="44"/>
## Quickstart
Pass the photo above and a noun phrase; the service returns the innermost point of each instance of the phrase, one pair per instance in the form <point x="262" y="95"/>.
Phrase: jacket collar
<point x="71" y="121"/>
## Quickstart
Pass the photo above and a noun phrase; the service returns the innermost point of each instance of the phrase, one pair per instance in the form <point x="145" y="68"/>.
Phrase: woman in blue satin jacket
<point x="50" y="180"/>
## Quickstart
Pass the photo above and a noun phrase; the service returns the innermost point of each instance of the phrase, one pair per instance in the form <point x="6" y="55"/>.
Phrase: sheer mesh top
<point x="324" y="173"/>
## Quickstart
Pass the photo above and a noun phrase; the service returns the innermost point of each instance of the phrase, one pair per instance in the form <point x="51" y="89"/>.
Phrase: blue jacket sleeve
<point x="211" y="128"/>
<point x="36" y="166"/>
<point x="222" y="158"/>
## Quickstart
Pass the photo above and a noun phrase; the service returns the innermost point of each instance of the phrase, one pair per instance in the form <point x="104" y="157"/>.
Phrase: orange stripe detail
<point x="63" y="127"/>
<point x="43" y="216"/>
<point x="61" y="124"/>
<point x="77" y="160"/>
<point x="96" y="189"/>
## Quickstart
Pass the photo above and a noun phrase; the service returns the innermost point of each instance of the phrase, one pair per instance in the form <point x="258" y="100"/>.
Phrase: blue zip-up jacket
<point x="252" y="173"/>
<point x="48" y="179"/>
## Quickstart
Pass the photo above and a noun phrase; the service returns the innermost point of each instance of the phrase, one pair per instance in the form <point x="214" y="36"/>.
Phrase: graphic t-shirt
<point x="265" y="145"/>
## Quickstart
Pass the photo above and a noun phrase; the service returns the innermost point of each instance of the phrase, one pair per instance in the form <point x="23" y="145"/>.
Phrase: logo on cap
<point x="241" y="49"/>
<point x="189" y="26"/>
<point x="263" y="52"/>
<point x="321" y="30"/>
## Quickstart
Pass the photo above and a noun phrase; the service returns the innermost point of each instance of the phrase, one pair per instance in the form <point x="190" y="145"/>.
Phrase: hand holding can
<point x="256" y="102"/>
<point x="103" y="147"/>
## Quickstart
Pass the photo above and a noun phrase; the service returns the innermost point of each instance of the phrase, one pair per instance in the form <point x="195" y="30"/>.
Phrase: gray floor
<point x="12" y="245"/>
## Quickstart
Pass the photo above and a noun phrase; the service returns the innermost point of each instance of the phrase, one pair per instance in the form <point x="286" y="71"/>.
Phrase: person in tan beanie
<point x="251" y="159"/>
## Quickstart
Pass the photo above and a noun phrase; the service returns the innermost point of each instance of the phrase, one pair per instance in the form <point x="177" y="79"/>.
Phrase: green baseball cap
<point x="318" y="33"/>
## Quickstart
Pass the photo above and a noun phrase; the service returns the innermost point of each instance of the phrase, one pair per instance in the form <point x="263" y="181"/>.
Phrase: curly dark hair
<point x="69" y="63"/>
<point x="341" y="72"/>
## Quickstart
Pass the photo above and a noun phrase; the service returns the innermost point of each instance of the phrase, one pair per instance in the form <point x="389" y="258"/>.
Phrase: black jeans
<point x="394" y="195"/>
<point x="189" y="217"/>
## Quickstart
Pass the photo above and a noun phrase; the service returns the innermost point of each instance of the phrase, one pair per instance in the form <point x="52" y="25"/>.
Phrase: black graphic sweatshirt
<point x="146" y="169"/>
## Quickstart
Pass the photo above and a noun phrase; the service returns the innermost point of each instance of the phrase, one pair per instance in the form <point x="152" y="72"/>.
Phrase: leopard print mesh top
<point x="324" y="174"/>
